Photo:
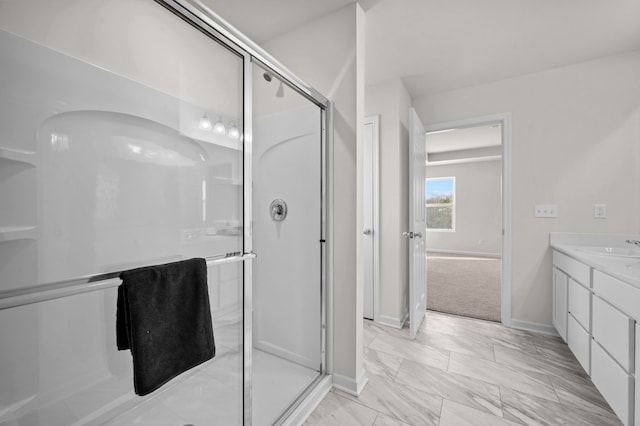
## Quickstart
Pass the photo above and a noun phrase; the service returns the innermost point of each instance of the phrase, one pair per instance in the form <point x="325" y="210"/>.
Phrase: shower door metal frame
<point x="209" y="22"/>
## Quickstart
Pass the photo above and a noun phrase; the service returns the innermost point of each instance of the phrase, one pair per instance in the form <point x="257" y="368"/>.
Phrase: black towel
<point x="163" y="316"/>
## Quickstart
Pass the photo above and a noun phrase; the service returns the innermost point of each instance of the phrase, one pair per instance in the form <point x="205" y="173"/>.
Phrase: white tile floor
<point x="460" y="372"/>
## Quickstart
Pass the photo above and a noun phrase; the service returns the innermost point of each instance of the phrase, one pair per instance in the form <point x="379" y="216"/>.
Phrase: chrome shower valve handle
<point x="278" y="210"/>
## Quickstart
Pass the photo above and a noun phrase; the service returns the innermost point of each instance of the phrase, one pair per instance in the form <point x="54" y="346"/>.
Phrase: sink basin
<point x="611" y="251"/>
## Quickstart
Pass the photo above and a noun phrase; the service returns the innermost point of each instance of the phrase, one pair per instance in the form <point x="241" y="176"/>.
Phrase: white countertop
<point x="626" y="269"/>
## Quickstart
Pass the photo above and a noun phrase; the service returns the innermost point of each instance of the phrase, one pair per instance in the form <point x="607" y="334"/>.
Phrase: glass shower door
<point x="287" y="234"/>
<point x="120" y="147"/>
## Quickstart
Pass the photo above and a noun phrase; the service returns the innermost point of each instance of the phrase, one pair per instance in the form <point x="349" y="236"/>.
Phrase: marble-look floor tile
<point x="450" y="386"/>
<point x="535" y="362"/>
<point x="402" y="333"/>
<point x="488" y="328"/>
<point x="498" y="335"/>
<point x="368" y="334"/>
<point x="454" y="414"/>
<point x="503" y="375"/>
<point x="550" y="344"/>
<point x="383" y="420"/>
<point x="468" y="345"/>
<point x="528" y="409"/>
<point x="580" y="392"/>
<point x="411" y="350"/>
<point x="553" y="350"/>
<point x="440" y="323"/>
<point x="398" y="401"/>
<point x="336" y="410"/>
<point x="381" y="364"/>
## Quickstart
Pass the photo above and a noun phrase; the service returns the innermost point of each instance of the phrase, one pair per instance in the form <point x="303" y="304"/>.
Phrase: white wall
<point x="114" y="35"/>
<point x="576" y="142"/>
<point x="326" y="54"/>
<point x="391" y="101"/>
<point x="478" y="206"/>
<point x="286" y="292"/>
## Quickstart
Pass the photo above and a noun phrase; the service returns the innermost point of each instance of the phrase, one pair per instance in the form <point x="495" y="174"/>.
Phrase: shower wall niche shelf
<point x="226" y="181"/>
<point x="13" y="233"/>
<point x="17" y="155"/>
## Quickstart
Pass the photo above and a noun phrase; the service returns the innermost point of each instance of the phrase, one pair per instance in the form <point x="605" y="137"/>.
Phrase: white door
<point x="370" y="216"/>
<point x="417" y="224"/>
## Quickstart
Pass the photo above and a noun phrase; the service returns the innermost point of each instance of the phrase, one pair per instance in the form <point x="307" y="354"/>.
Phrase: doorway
<point x="468" y="218"/>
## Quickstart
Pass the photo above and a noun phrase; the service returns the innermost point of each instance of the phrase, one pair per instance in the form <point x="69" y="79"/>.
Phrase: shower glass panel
<point x="120" y="147"/>
<point x="287" y="233"/>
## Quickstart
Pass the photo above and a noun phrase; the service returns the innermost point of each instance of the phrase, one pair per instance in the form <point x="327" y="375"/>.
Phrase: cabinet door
<point x="559" y="311"/>
<point x="637" y="381"/>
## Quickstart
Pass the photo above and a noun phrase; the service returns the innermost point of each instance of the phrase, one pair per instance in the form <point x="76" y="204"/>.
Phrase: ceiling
<point x="464" y="144"/>
<point x="436" y="45"/>
<point x="464" y="138"/>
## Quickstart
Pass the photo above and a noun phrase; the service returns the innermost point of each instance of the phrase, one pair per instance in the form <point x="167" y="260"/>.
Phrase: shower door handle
<point x="408" y="234"/>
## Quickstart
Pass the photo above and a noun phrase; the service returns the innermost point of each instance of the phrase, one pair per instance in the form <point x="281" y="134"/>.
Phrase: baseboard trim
<point x="394" y="322"/>
<point x="306" y="407"/>
<point x="467" y="253"/>
<point x="349" y="385"/>
<point x="534" y="326"/>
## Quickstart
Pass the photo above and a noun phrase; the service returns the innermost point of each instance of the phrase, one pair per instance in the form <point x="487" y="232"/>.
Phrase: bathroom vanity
<point x="596" y="310"/>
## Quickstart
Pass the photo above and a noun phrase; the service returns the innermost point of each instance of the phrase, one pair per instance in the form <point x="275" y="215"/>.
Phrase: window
<point x="441" y="208"/>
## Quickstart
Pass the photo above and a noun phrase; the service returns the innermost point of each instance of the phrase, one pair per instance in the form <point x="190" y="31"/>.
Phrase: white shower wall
<point x="287" y="271"/>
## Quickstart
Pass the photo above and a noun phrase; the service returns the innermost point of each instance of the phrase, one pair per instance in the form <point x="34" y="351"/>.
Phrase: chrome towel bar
<point x="43" y="292"/>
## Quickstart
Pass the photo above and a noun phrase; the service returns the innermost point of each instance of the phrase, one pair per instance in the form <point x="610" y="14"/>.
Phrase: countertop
<point x="626" y="269"/>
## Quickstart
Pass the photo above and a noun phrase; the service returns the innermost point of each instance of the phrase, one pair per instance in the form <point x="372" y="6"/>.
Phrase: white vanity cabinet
<point x="637" y="382"/>
<point x="600" y="329"/>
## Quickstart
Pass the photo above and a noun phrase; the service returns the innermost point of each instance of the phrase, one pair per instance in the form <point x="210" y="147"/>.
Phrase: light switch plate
<point x="600" y="211"/>
<point x="546" y="210"/>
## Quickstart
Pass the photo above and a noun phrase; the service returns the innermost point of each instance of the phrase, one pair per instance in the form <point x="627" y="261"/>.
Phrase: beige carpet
<point x="464" y="285"/>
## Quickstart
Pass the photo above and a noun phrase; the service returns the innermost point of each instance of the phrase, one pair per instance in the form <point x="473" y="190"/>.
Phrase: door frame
<point x="504" y="119"/>
<point x="374" y="120"/>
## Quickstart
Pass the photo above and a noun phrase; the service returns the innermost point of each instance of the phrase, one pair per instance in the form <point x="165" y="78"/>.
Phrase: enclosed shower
<point x="136" y="133"/>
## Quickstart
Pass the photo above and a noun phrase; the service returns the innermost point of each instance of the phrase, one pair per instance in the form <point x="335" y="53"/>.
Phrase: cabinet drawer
<point x="578" y="340"/>
<point x="614" y="331"/>
<point x="576" y="270"/>
<point x="623" y="295"/>
<point x="580" y="304"/>
<point x="615" y="385"/>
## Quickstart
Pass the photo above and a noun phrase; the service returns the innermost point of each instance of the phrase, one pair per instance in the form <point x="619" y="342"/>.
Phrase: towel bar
<point x="43" y="292"/>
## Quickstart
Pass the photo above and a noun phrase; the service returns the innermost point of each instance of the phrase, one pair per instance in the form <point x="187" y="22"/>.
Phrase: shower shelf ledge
<point x="20" y="156"/>
<point x="227" y="181"/>
<point x="14" y="233"/>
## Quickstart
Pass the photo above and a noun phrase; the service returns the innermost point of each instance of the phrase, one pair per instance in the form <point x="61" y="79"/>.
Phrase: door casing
<point x="504" y="119"/>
